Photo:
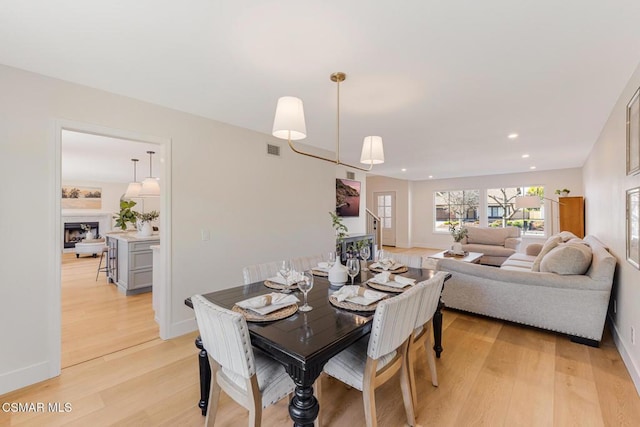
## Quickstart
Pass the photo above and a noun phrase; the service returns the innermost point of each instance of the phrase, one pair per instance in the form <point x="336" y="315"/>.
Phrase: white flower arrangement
<point x="458" y="233"/>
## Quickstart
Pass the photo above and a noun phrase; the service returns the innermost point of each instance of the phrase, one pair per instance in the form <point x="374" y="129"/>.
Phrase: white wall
<point x="415" y="210"/>
<point x="257" y="208"/>
<point x="606" y="182"/>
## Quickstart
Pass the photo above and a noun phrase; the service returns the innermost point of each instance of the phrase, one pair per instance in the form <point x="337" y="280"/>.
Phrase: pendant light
<point x="150" y="186"/>
<point x="133" y="190"/>
<point x="289" y="124"/>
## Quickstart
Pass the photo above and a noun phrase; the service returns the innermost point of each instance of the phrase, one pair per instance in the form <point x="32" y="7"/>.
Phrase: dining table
<point x="305" y="341"/>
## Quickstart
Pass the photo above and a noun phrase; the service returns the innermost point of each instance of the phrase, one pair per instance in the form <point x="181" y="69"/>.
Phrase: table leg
<point x="304" y="407"/>
<point x="437" y="329"/>
<point x="205" y="376"/>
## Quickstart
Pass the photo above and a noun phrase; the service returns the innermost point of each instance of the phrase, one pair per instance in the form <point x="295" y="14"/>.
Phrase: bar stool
<point x="105" y="250"/>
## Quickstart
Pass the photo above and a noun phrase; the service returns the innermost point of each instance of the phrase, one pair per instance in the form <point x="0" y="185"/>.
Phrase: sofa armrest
<point x="512" y="243"/>
<point x="533" y="249"/>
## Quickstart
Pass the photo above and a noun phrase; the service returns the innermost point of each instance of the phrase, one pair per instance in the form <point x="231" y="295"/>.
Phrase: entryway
<point x="386" y="210"/>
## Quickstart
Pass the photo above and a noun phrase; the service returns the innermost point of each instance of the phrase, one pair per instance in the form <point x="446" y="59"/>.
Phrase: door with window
<point x="386" y="211"/>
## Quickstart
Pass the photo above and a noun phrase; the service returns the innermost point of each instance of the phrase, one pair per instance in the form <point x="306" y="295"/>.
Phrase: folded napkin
<point x="404" y="280"/>
<point x="383" y="277"/>
<point x="265" y="304"/>
<point x="294" y="278"/>
<point x="386" y="264"/>
<point x="393" y="280"/>
<point x="323" y="265"/>
<point x="350" y="291"/>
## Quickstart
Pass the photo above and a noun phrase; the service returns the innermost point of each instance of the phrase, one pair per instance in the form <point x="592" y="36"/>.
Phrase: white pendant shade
<point x="372" y="150"/>
<point x="150" y="188"/>
<point x="133" y="190"/>
<point x="289" y="120"/>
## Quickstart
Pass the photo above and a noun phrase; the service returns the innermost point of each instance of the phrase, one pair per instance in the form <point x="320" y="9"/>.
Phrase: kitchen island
<point x="130" y="265"/>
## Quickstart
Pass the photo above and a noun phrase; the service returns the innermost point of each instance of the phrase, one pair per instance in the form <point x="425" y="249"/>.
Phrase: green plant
<point x="85" y="227"/>
<point x="458" y="233"/>
<point x="126" y="215"/>
<point x="341" y="229"/>
<point x="564" y="190"/>
<point x="148" y="216"/>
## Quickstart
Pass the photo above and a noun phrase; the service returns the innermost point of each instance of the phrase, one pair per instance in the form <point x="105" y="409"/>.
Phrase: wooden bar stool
<point x="105" y="250"/>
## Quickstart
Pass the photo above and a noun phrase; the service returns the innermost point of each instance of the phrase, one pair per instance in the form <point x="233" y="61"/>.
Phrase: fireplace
<point x="73" y="232"/>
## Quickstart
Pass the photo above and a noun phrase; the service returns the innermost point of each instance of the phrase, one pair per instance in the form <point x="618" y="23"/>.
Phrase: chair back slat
<point x="393" y="322"/>
<point x="307" y="262"/>
<point x="257" y="272"/>
<point x="414" y="261"/>
<point x="430" y="298"/>
<point x="225" y="336"/>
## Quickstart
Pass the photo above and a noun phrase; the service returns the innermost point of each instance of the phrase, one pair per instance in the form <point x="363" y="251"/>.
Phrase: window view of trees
<point x="456" y="207"/>
<point x="502" y="212"/>
<point x="463" y="207"/>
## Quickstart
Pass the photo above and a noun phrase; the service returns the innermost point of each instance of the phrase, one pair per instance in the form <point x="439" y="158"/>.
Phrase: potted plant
<point x="144" y="222"/>
<point x="126" y="215"/>
<point x="87" y="229"/>
<point x="458" y="233"/>
<point x="563" y="193"/>
<point x="338" y="272"/>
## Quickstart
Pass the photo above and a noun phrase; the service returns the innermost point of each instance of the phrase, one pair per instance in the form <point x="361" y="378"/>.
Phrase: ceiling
<point x="443" y="83"/>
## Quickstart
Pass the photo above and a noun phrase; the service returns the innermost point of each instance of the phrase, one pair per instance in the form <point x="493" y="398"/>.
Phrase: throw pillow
<point x="567" y="235"/>
<point x="551" y="243"/>
<point x="568" y="258"/>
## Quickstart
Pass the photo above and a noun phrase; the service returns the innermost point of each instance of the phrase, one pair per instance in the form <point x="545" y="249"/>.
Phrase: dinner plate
<point x="252" y="316"/>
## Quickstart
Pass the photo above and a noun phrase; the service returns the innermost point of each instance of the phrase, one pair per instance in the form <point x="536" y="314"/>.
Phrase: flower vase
<point x="338" y="274"/>
<point x="88" y="235"/>
<point x="456" y="248"/>
<point x="145" y="229"/>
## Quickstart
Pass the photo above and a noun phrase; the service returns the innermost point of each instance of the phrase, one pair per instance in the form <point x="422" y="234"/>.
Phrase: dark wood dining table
<point x="305" y="341"/>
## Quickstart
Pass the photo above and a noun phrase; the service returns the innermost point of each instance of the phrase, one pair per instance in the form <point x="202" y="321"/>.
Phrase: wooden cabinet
<point x="572" y="215"/>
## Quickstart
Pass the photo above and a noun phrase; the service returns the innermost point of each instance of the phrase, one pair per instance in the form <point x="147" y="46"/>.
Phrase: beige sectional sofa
<point x="569" y="294"/>
<point x="496" y="244"/>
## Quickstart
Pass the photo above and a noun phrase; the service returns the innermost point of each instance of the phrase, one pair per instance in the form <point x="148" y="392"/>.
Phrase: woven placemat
<point x="351" y="306"/>
<point x="279" y="286"/>
<point x="252" y="316"/>
<point x="402" y="269"/>
<point x="385" y="288"/>
<point x="319" y="273"/>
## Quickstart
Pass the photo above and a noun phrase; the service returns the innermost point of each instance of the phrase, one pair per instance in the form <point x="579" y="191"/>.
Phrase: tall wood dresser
<point x="572" y="215"/>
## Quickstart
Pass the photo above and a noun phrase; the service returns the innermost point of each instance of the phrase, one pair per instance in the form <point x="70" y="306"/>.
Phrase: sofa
<point x="496" y="244"/>
<point x="563" y="286"/>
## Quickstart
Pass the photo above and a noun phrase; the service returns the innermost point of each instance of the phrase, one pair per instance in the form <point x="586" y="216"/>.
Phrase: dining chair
<point x="307" y="262"/>
<point x="421" y="335"/>
<point x="257" y="272"/>
<point x="248" y="376"/>
<point x="414" y="261"/>
<point x="371" y="361"/>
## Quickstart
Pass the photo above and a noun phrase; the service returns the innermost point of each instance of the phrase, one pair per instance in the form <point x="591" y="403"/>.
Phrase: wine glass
<point x="332" y="259"/>
<point x="353" y="268"/>
<point x="285" y="271"/>
<point x="365" y="253"/>
<point x="305" y="286"/>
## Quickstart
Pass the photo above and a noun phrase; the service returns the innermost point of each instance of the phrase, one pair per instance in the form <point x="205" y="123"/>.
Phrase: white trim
<point x="14" y="380"/>
<point x="182" y="327"/>
<point x="54" y="294"/>
<point x="633" y="370"/>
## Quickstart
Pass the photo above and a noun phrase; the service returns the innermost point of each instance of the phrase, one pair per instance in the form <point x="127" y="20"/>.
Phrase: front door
<point x="386" y="211"/>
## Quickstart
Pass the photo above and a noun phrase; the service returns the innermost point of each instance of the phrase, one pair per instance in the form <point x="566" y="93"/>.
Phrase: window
<point x="502" y="212"/>
<point x="459" y="206"/>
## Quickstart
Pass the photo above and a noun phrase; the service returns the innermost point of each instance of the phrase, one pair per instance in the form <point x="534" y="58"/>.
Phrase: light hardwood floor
<point x="96" y="318"/>
<point x="491" y="373"/>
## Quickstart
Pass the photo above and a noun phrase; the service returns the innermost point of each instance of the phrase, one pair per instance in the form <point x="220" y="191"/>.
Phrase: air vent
<point x="273" y="150"/>
<point x="351" y="175"/>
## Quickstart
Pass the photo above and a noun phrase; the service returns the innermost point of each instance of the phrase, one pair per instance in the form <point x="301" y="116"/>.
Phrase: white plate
<point x="360" y="300"/>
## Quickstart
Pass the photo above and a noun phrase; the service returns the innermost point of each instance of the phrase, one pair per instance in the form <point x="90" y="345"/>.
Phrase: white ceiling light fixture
<point x="289" y="124"/>
<point x="512" y="136"/>
<point x="150" y="186"/>
<point x="133" y="189"/>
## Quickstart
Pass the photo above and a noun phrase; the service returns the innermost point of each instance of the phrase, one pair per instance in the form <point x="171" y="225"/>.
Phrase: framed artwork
<point x="633" y="134"/>
<point x="633" y="226"/>
<point x="347" y="197"/>
<point x="75" y="197"/>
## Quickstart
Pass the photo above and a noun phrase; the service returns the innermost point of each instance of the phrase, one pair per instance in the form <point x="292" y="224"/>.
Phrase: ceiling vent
<point x="351" y="175"/>
<point x="273" y="150"/>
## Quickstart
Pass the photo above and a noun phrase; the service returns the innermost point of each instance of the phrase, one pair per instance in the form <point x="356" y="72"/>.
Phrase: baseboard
<point x="626" y="358"/>
<point x="14" y="380"/>
<point x="180" y="328"/>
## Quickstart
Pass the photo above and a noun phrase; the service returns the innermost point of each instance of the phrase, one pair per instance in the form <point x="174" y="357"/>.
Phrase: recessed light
<point x="512" y="136"/>
<point x="403" y="169"/>
<point x="525" y="156"/>
<point x="532" y="167"/>
<point x="430" y="176"/>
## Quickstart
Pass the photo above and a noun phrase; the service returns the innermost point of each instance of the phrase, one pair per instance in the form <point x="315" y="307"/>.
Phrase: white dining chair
<point x="373" y="360"/>
<point x="414" y="261"/>
<point x="257" y="272"/>
<point x="307" y="262"/>
<point x="421" y="336"/>
<point x="248" y="376"/>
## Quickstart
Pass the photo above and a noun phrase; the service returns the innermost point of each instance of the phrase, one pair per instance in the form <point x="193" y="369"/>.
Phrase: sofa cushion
<point x="567" y="258"/>
<point x="551" y="243"/>
<point x="518" y="262"/>
<point x="566" y="236"/>
<point x="487" y="236"/>
<point x="533" y="249"/>
<point x="489" y="250"/>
